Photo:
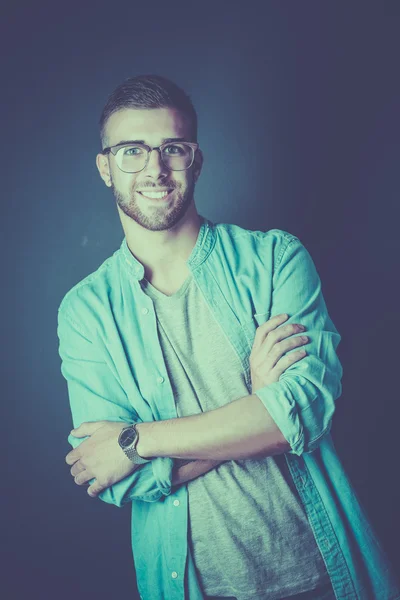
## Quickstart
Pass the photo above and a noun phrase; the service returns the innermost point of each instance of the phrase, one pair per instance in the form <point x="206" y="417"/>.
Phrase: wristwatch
<point x="127" y="440"/>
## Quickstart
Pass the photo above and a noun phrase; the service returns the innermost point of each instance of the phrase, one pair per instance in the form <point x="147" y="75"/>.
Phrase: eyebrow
<point x="181" y="139"/>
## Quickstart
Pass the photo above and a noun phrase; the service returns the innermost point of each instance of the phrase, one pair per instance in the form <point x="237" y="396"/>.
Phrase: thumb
<point x="86" y="429"/>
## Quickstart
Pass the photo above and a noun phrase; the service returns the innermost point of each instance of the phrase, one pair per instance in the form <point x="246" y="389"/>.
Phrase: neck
<point x="163" y="254"/>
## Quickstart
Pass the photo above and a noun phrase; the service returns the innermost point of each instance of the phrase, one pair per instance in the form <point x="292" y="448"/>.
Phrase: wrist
<point x="142" y="446"/>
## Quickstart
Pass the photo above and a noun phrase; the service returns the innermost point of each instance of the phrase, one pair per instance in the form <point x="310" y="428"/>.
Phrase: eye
<point x="132" y="150"/>
<point x="174" y="149"/>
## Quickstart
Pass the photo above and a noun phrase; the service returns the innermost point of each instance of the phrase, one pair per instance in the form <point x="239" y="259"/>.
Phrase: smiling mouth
<point x="155" y="195"/>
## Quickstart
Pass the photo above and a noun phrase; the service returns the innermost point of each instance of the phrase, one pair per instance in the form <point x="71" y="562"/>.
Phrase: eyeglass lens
<point x="176" y="157"/>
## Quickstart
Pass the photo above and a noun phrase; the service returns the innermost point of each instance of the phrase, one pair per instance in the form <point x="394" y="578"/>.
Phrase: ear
<point x="103" y="168"/>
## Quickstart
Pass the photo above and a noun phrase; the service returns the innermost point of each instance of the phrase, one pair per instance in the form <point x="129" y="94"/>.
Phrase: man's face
<point x="152" y="126"/>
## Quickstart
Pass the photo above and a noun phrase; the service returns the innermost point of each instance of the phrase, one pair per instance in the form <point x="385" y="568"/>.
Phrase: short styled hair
<point x="148" y="91"/>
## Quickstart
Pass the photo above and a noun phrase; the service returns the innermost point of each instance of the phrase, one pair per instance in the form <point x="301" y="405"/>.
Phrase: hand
<point x="100" y="456"/>
<point x="265" y="366"/>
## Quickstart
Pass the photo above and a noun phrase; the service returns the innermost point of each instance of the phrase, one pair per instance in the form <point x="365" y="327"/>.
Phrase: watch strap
<point x="131" y="451"/>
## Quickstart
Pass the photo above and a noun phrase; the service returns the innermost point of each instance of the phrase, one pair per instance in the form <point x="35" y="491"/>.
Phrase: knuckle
<point x="298" y="352"/>
<point x="290" y="329"/>
<point x="276" y="355"/>
<point x="289" y="344"/>
<point x="279" y="318"/>
<point x="275" y="350"/>
<point x="272" y="336"/>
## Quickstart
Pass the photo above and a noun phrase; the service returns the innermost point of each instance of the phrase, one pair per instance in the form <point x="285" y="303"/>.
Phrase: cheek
<point x="132" y="184"/>
<point x="122" y="181"/>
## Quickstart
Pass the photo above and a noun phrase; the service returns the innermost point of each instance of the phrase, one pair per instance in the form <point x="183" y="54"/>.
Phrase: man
<point x="189" y="330"/>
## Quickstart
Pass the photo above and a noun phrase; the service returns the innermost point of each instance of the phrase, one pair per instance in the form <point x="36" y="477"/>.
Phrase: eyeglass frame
<point x="193" y="145"/>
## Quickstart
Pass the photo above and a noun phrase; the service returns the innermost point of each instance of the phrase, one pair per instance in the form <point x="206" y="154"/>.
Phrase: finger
<point x="95" y="489"/>
<point x="77" y="468"/>
<point x="286" y="331"/>
<point x="287" y="361"/>
<point x="263" y="330"/>
<point x="281" y="348"/>
<point x="282" y="333"/>
<point x="72" y="457"/>
<point x="271" y="352"/>
<point x="83" y="477"/>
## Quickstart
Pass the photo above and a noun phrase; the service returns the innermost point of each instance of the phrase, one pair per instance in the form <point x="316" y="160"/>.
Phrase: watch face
<point x="127" y="437"/>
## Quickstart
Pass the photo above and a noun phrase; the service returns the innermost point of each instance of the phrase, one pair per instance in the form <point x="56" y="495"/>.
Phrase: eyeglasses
<point x="132" y="158"/>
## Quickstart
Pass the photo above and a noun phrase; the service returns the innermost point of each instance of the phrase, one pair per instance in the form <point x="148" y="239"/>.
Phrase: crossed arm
<point x="292" y="414"/>
<point x="241" y="429"/>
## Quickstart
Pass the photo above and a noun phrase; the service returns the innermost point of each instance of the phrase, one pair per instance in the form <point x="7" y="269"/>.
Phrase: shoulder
<point x="91" y="294"/>
<point x="272" y="241"/>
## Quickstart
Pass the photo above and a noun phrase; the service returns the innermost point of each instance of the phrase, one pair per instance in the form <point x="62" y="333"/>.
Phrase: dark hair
<point x="147" y="91"/>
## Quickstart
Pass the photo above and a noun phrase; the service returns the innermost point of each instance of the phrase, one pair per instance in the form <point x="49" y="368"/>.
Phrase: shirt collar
<point x="204" y="244"/>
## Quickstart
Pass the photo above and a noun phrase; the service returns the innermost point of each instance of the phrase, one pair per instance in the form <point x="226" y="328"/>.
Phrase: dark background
<point x="298" y="106"/>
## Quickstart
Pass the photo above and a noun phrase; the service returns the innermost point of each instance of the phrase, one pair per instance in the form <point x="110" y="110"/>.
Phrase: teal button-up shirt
<point x="115" y="370"/>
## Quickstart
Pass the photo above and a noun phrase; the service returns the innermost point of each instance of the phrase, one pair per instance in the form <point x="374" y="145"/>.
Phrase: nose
<point x="155" y="165"/>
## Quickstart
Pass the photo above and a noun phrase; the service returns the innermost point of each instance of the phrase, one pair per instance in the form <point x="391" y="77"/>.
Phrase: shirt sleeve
<point x="302" y="402"/>
<point x="95" y="394"/>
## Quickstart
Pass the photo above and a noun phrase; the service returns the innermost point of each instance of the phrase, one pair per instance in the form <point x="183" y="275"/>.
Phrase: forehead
<point x="146" y="124"/>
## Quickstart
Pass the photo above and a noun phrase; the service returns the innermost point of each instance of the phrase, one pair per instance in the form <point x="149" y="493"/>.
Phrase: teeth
<point x="155" y="194"/>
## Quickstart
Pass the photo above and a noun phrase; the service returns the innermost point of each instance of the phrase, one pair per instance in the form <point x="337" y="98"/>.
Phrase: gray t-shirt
<point x="248" y="530"/>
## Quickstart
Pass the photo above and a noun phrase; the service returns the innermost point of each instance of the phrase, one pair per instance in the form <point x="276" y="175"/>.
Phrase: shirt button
<point x="174" y="574"/>
<point x="176" y="503"/>
<point x="145" y="311"/>
<point x="160" y="379"/>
